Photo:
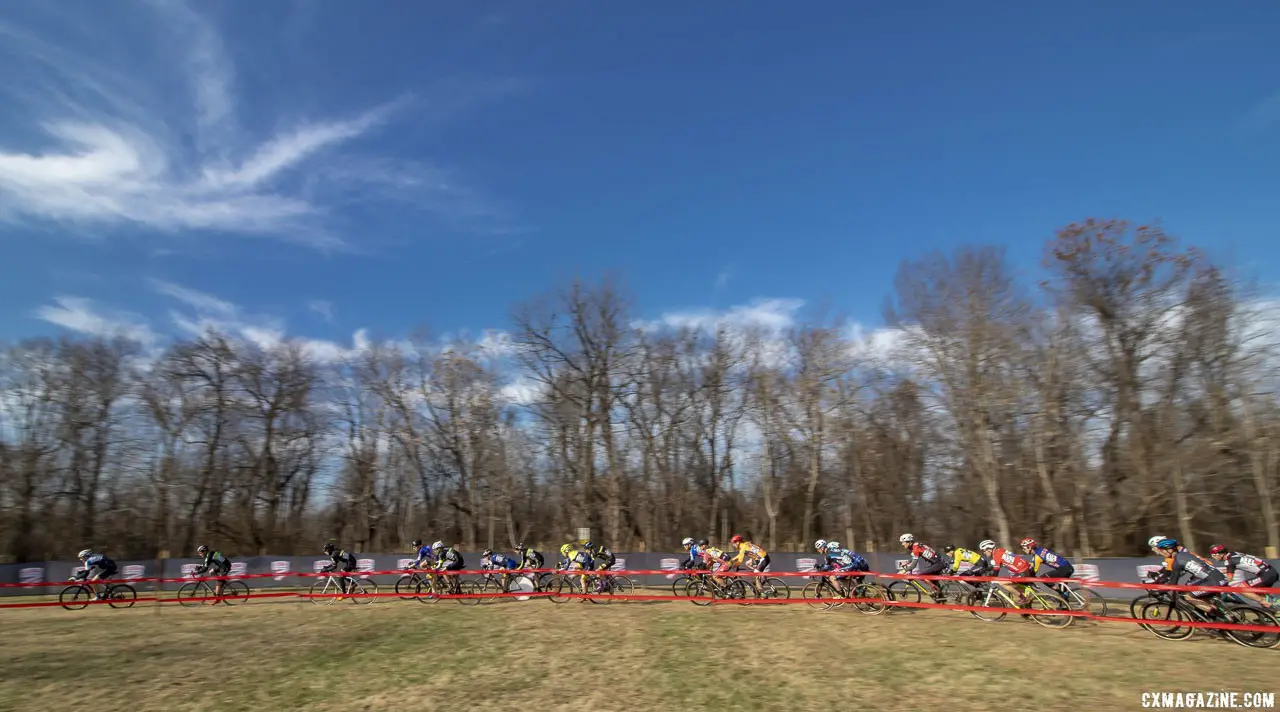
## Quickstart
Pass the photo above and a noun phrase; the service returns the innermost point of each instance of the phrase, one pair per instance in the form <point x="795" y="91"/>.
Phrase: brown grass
<point x="444" y="656"/>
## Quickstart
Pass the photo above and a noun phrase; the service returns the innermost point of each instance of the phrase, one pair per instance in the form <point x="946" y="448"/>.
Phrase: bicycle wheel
<point x="1087" y="599"/>
<point x="680" y="585"/>
<point x="903" y="591"/>
<point x="190" y="593"/>
<point x="235" y="592"/>
<point x="1135" y="606"/>
<point x="546" y="581"/>
<point x="319" y="592"/>
<point x="879" y="599"/>
<point x="1246" y="614"/>
<point x="699" y="593"/>
<point x="994" y="606"/>
<point x="736" y="590"/>
<point x="75" y="597"/>
<point x="121" y="595"/>
<point x="1163" y="620"/>
<point x="561" y="588"/>
<point x="773" y="588"/>
<point x="470" y="588"/>
<point x="427" y="590"/>
<point x="955" y="591"/>
<point x="407" y="586"/>
<point x="358" y="591"/>
<point x="1049" y="603"/>
<point x="622" y="586"/>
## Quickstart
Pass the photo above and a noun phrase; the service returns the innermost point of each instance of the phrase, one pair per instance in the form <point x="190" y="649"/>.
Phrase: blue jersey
<point x="1048" y="557"/>
<point x="99" y="561"/>
<point x="845" y="560"/>
<point x="695" y="552"/>
<point x="502" y="561"/>
<point x="425" y="554"/>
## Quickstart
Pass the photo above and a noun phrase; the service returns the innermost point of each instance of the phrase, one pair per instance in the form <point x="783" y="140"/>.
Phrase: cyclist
<point x="924" y="562"/>
<point x="1199" y="572"/>
<point x="963" y="561"/>
<point x="996" y="558"/>
<point x="1054" y="565"/>
<point x="340" y="560"/>
<point x="424" y="554"/>
<point x="448" y="559"/>
<point x="529" y="558"/>
<point x="695" y="555"/>
<point x="840" y="560"/>
<point x="214" y="564"/>
<point x="579" y="559"/>
<point x="491" y="560"/>
<point x="751" y="556"/>
<point x="603" y="559"/>
<point x="1259" y="573"/>
<point x="97" y="567"/>
<point x="715" y="560"/>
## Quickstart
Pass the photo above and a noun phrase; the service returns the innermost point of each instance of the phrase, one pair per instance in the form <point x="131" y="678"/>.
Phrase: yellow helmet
<point x="566" y="549"/>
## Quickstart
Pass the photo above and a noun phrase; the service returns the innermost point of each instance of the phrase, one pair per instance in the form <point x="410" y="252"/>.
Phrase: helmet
<point x="1028" y="543"/>
<point x="328" y="547"/>
<point x="487" y="552"/>
<point x="587" y="544"/>
<point x="438" y="545"/>
<point x="948" y="549"/>
<point x="736" y="539"/>
<point x="686" y="542"/>
<point x="820" y="544"/>
<point x="201" y="549"/>
<point x="833" y="545"/>
<point x="986" y="544"/>
<point x="1155" y="540"/>
<point x="520" y="546"/>
<point x="703" y="542"/>
<point x="1217" y="549"/>
<point x="86" y="553"/>
<point x="416" y="543"/>
<point x="1167" y="544"/>
<point x="566" y="549"/>
<point x="906" y="538"/>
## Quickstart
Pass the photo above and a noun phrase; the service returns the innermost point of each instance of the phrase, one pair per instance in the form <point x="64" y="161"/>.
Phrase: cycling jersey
<point x="922" y="552"/>
<point x="714" y="558"/>
<point x="580" y="558"/>
<point x="214" y="560"/>
<point x="425" y="555"/>
<point x="100" y="563"/>
<point x="603" y="558"/>
<point x="1246" y="563"/>
<point x="1042" y="555"/>
<point x="449" y="558"/>
<point x="344" y="560"/>
<point x="1009" y="560"/>
<point x="502" y="561"/>
<point x="845" y="560"/>
<point x="965" y="557"/>
<point x="748" y="553"/>
<point x="1199" y="572"/>
<point x="531" y="559"/>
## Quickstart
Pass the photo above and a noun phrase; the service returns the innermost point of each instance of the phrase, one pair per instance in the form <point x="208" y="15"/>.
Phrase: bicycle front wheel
<point x="192" y="594"/>
<point x="407" y="587"/>
<point x="75" y="597"/>
<point x="319" y="593"/>
<point x="1049" y="604"/>
<point x="680" y="586"/>
<point x="994" y="607"/>
<point x="1164" y="620"/>
<point x="471" y="589"/>
<point x="699" y="593"/>
<point x="773" y="588"/>
<point x="903" y="591"/>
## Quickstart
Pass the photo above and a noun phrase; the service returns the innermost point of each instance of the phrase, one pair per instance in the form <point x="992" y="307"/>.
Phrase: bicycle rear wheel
<point x="994" y="606"/>
<point x="699" y="593"/>
<point x="1245" y="614"/>
<point x="75" y="597"/>
<point x="235" y="592"/>
<point x="1086" y="599"/>
<point x="622" y="586"/>
<point x="879" y="602"/>
<point x="470" y="588"/>
<point x="773" y="588"/>
<point x="121" y="595"/>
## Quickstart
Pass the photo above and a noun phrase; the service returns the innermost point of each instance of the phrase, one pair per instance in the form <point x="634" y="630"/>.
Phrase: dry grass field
<point x="287" y="655"/>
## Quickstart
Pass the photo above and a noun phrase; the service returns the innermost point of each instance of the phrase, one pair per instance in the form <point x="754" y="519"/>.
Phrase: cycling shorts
<point x="927" y="568"/>
<point x="99" y="572"/>
<point x="452" y="566"/>
<point x="1265" y="579"/>
<point x="719" y="566"/>
<point x="761" y="565"/>
<point x="1064" y="571"/>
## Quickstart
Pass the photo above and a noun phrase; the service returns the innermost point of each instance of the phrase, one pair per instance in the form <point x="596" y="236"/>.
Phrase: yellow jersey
<point x="964" y="556"/>
<point x="748" y="551"/>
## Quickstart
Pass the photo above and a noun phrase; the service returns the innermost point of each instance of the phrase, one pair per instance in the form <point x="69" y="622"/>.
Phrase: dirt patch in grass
<point x="445" y="656"/>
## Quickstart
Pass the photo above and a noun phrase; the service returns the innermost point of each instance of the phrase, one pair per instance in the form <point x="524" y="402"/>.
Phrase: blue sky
<point x="317" y="168"/>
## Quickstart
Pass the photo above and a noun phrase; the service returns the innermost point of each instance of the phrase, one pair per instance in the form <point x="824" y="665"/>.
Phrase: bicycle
<point x="200" y="593"/>
<point x="913" y="590"/>
<point x="328" y="589"/>
<point x="767" y="587"/>
<point x="409" y="585"/>
<point x="704" y="586"/>
<point x="79" y="595"/>
<point x="1173" y="609"/>
<point x="680" y="585"/>
<point x="505" y="582"/>
<point x="434" y="585"/>
<point x="824" y="594"/>
<point x="1080" y="598"/>
<point x="991" y="596"/>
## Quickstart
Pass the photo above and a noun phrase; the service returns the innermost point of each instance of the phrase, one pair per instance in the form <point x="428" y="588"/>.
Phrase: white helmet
<point x="85" y="554"/>
<point x="686" y="542"/>
<point x="906" y="538"/>
<point x="986" y="544"/>
<point x="438" y="545"/>
<point x="820" y="544"/>
<point x="1155" y="540"/>
<point x="834" y="545"/>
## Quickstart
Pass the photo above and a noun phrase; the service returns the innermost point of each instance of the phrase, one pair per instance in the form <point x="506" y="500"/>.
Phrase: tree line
<point x="1130" y="391"/>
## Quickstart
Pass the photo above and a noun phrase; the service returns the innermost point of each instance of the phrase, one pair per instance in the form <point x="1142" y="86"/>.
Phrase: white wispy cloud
<point x="85" y="317"/>
<point x="772" y="315"/>
<point x="323" y="308"/>
<point x="103" y="148"/>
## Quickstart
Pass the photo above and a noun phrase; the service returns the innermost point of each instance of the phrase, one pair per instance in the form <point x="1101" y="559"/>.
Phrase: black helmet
<point x="702" y="542"/>
<point x="948" y="549"/>
<point x="328" y="547"/>
<point x="520" y="546"/>
<point x="416" y="543"/>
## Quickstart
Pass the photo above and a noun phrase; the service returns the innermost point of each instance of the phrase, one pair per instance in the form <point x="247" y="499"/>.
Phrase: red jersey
<point x="1009" y="560"/>
<point x="920" y="551"/>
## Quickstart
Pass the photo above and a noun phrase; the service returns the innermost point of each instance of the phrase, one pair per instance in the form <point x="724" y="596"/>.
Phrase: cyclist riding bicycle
<point x="529" y="558"/>
<point x="924" y="562"/>
<point x="716" y="561"/>
<point x="424" y="555"/>
<point x="840" y="560"/>
<point x="995" y="559"/>
<point x="491" y="560"/>
<point x="751" y="556"/>
<point x="602" y="556"/>
<point x="1198" y="570"/>
<point x="340" y="560"/>
<point x="578" y="558"/>
<point x="1054" y="565"/>
<point x="213" y="564"/>
<point x="695" y="555"/>
<point x="963" y="561"/>
<point x="448" y="559"/>
<point x="97" y="567"/>
<point x="1258" y="572"/>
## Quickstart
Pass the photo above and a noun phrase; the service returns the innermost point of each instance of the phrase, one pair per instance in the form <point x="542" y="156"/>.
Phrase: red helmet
<point x="1028" y="543"/>
<point x="737" y="539"/>
<point x="1217" y="549"/>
